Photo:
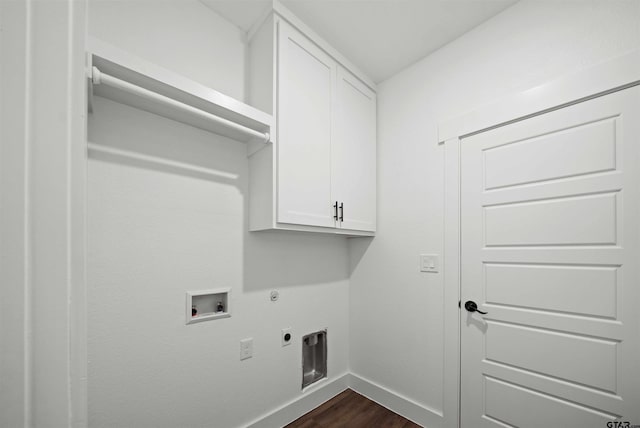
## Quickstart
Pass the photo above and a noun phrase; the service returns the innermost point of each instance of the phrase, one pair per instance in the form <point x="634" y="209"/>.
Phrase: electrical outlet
<point x="429" y="263"/>
<point x="246" y="348"/>
<point x="287" y="337"/>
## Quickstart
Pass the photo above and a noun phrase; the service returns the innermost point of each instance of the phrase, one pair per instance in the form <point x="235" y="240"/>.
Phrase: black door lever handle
<point x="471" y="306"/>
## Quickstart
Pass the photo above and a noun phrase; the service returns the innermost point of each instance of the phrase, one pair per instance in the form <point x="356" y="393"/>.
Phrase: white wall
<point x="396" y="312"/>
<point x="156" y="232"/>
<point x="181" y="35"/>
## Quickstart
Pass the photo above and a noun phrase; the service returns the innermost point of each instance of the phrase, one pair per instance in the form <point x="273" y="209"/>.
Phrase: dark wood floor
<point x="352" y="410"/>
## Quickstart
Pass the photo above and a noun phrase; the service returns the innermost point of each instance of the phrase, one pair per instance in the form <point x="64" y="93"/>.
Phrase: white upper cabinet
<point x="319" y="175"/>
<point x="306" y="77"/>
<point x="353" y="153"/>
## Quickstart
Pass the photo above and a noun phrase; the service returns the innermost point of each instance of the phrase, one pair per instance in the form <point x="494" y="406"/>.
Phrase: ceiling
<point x="381" y="37"/>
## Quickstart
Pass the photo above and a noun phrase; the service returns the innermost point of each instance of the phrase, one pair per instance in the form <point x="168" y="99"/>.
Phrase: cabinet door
<point x="306" y="78"/>
<point x="353" y="153"/>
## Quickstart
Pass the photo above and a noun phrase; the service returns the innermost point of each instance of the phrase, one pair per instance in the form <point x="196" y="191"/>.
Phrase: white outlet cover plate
<point x="246" y="348"/>
<point x="429" y="263"/>
<point x="284" y="332"/>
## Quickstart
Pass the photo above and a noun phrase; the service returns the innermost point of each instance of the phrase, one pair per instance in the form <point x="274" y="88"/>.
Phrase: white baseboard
<point x="403" y="406"/>
<point x="300" y="406"/>
<point x="322" y="393"/>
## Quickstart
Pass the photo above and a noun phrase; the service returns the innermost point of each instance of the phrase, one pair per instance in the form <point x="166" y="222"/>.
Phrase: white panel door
<point x="550" y="210"/>
<point x="306" y="78"/>
<point x="353" y="154"/>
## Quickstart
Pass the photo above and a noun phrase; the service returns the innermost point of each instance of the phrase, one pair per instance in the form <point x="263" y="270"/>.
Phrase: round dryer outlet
<point x="287" y="337"/>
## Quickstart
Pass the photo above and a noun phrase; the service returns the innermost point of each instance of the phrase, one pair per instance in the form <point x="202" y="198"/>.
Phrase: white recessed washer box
<point x="208" y="305"/>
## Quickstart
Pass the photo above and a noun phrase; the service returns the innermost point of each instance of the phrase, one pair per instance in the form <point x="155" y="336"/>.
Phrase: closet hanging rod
<point x="99" y="78"/>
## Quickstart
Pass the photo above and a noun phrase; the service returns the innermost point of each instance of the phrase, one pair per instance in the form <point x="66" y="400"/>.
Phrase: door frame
<point x="602" y="79"/>
<point x="44" y="249"/>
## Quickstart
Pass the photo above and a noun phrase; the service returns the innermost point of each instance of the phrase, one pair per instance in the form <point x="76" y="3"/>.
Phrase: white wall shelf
<point x="127" y="79"/>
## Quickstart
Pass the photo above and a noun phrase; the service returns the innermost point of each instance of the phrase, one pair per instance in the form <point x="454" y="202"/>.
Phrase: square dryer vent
<point x="314" y="357"/>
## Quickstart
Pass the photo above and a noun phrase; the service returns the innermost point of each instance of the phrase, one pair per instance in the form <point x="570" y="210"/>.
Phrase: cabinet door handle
<point x="341" y="211"/>
<point x="335" y="211"/>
